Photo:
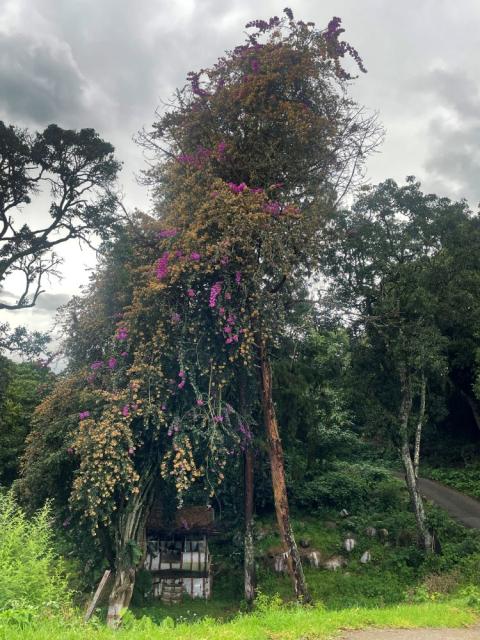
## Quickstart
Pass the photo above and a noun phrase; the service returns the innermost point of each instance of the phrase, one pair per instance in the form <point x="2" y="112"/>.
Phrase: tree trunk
<point x="411" y="479"/>
<point x="129" y="541"/>
<point x="421" y="419"/>
<point x="277" y="467"/>
<point x="249" y="551"/>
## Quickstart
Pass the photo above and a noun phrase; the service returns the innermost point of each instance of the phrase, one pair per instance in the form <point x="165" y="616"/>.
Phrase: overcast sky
<point x="107" y="64"/>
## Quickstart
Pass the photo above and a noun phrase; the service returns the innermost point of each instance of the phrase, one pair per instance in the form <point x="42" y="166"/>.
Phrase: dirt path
<point x="472" y="633"/>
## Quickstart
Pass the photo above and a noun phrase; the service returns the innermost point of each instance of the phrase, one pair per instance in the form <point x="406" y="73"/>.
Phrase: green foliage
<point x="294" y="623"/>
<point x="355" y="487"/>
<point x="24" y="386"/>
<point x="31" y="572"/>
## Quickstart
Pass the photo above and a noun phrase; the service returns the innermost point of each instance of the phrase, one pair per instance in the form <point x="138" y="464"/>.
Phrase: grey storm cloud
<point x="39" y="81"/>
<point x="108" y="64"/>
<point x="454" y="152"/>
<point x="51" y="301"/>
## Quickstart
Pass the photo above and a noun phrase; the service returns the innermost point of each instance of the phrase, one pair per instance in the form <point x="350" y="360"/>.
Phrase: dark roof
<point x="193" y="519"/>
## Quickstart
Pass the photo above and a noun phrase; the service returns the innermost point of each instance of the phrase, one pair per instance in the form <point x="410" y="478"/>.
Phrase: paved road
<point x="461" y="507"/>
<point x="472" y="633"/>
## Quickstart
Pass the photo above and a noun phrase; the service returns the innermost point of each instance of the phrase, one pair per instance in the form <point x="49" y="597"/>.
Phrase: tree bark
<point x="249" y="551"/>
<point x="411" y="479"/>
<point x="130" y="535"/>
<point x="277" y="467"/>
<point x="421" y="419"/>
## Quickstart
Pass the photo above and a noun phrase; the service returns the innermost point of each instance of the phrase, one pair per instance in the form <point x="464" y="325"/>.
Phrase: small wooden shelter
<point x="178" y="556"/>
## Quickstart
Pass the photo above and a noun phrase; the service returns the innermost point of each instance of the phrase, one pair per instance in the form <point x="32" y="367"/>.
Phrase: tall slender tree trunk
<point x="421" y="420"/>
<point x="249" y="550"/>
<point x="277" y="467"/>
<point x="405" y="454"/>
<point x="129" y="540"/>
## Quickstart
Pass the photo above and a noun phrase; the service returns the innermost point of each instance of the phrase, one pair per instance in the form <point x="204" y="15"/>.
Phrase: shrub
<point x="31" y="573"/>
<point x="349" y="486"/>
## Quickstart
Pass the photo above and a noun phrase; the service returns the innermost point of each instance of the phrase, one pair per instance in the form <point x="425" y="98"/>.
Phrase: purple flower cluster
<point x="84" y="414"/>
<point x="263" y="25"/>
<point x="98" y="364"/>
<point x="112" y="363"/>
<point x="237" y="188"/>
<point x="162" y="266"/>
<point x="238" y="277"/>
<point x="191" y="293"/>
<point x="122" y="334"/>
<point x="194" y="79"/>
<point x="214" y="293"/>
<point x="338" y="48"/>
<point x="167" y="233"/>
<point x="273" y="207"/>
<point x="228" y="330"/>
<point x="254" y="63"/>
<point x="182" y="376"/>
<point x="195" y="256"/>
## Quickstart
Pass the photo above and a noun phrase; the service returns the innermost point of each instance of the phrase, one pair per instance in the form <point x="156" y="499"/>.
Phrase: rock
<point x="315" y="559"/>
<point x="334" y="563"/>
<point x="280" y="563"/>
<point x="383" y="534"/>
<point x="371" y="532"/>
<point x="304" y="543"/>
<point x="349" y="544"/>
<point x="344" y="513"/>
<point x="366" y="557"/>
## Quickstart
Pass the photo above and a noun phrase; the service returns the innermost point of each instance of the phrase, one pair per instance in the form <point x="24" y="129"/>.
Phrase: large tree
<point x="251" y="158"/>
<point x="391" y="260"/>
<point x="77" y="169"/>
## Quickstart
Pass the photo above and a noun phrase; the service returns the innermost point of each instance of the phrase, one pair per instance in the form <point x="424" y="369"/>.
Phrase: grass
<point x="271" y="622"/>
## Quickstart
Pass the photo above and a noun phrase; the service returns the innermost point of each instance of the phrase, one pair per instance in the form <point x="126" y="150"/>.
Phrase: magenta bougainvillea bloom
<point x="112" y="363"/>
<point x="125" y="410"/>
<point x="167" y="233"/>
<point x="181" y="384"/>
<point x="255" y="65"/>
<point x="224" y="261"/>
<point x="98" y="364"/>
<point x="218" y="418"/>
<point x="237" y="188"/>
<point x="200" y="402"/>
<point x="190" y="293"/>
<point x="214" y="293"/>
<point x="238" y="277"/>
<point x="84" y="414"/>
<point x="195" y="256"/>
<point x="122" y="334"/>
<point x="124" y="354"/>
<point x="175" y="318"/>
<point x="273" y="207"/>
<point x="162" y="266"/>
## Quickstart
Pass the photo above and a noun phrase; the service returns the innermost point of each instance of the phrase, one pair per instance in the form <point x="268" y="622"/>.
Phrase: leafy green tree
<point x="382" y="258"/>
<point x="79" y="170"/>
<point x="23" y="386"/>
